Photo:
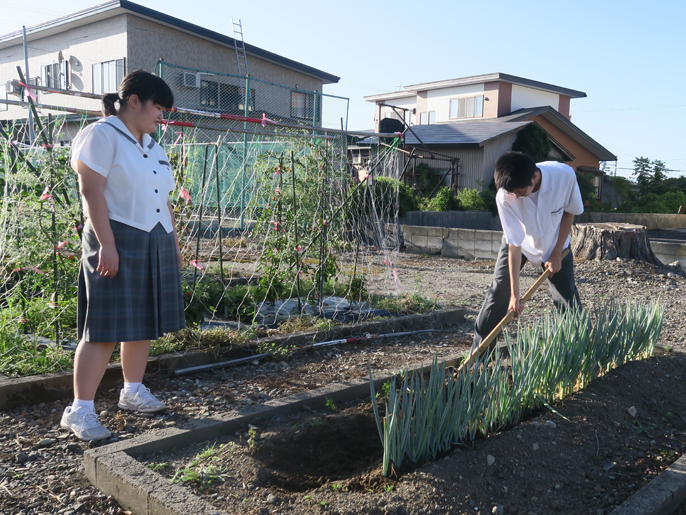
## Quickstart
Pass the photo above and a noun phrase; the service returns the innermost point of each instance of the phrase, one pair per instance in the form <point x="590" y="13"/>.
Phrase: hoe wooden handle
<point x="486" y="342"/>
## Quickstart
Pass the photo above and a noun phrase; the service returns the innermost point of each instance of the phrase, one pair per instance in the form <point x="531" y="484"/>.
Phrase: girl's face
<point x="150" y="115"/>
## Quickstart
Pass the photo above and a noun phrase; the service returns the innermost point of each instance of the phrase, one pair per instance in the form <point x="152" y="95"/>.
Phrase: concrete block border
<point x="58" y="385"/>
<point x="114" y="471"/>
<point x="661" y="496"/>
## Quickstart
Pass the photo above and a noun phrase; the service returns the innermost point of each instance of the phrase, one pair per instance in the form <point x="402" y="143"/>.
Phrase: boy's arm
<point x="514" y="255"/>
<point x="554" y="263"/>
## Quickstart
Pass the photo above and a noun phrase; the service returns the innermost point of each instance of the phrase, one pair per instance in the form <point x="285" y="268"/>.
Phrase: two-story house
<point x="476" y="119"/>
<point x="92" y="49"/>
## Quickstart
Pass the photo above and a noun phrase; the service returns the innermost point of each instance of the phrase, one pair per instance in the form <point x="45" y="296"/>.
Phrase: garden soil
<point x="587" y="462"/>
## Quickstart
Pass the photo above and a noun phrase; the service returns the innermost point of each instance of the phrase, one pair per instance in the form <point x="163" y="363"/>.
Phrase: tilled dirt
<point x="41" y="466"/>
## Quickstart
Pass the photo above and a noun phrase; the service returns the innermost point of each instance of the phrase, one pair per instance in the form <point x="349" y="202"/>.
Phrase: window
<point x="107" y="76"/>
<point x="224" y="97"/>
<point x="302" y="105"/>
<point x="3" y="96"/>
<point x="388" y="114"/>
<point x="432" y="117"/>
<point x="422" y="118"/>
<point x="55" y="75"/>
<point x="470" y="107"/>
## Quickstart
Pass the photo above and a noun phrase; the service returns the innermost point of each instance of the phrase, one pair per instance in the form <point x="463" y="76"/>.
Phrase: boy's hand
<point x="516" y="306"/>
<point x="554" y="263"/>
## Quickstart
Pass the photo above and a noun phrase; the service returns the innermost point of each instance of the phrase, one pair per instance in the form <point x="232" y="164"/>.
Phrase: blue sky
<point x="626" y="56"/>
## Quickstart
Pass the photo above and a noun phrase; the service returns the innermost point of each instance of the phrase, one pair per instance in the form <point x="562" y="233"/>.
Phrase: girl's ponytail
<point x="108" y="100"/>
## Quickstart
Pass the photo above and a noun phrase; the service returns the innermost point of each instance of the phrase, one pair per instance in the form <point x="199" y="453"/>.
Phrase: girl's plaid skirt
<point x="144" y="300"/>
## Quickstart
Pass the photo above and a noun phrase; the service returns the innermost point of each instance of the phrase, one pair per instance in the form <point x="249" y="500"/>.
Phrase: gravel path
<point x="41" y="466"/>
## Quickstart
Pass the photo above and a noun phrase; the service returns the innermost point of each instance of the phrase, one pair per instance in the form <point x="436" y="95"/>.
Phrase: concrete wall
<point x="475" y="244"/>
<point x="481" y="220"/>
<point x="669" y="252"/>
<point x="454" y="243"/>
<point x="478" y="220"/>
<point x="649" y="220"/>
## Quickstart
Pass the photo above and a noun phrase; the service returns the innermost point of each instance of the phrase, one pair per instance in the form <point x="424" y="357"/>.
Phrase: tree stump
<point x="612" y="240"/>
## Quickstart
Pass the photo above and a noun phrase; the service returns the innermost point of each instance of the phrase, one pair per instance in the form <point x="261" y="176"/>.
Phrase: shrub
<point x="471" y="200"/>
<point x="443" y="200"/>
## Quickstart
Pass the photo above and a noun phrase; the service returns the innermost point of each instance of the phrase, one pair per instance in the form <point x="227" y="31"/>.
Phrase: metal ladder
<point x="239" y="45"/>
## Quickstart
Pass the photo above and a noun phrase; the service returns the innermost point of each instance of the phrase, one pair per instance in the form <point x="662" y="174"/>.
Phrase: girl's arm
<point x="92" y="187"/>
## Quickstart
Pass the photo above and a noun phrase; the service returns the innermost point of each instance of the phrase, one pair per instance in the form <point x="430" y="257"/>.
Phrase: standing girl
<point x="129" y="281"/>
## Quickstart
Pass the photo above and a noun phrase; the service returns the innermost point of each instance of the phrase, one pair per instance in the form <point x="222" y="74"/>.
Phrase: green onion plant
<point x="548" y="360"/>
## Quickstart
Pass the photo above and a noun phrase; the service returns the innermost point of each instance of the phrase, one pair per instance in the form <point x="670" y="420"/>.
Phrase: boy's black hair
<point x="143" y="84"/>
<point x="514" y="170"/>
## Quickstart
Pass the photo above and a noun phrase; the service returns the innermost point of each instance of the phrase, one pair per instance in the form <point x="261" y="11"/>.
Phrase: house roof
<point x="563" y="124"/>
<point x="478" y="79"/>
<point x="473" y="133"/>
<point x="117" y="7"/>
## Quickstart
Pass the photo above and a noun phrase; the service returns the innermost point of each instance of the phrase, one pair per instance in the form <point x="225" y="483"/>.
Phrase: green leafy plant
<point x="331" y="405"/>
<point x="549" y="360"/>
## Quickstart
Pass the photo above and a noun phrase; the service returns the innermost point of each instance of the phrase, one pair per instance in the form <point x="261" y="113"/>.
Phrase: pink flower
<point x="185" y="195"/>
<point x="17" y="270"/>
<point x="277" y="170"/>
<point x="298" y="248"/>
<point x="60" y="244"/>
<point x="37" y="270"/>
<point x="325" y="223"/>
<point x="300" y="273"/>
<point x="46" y="194"/>
<point x="77" y="228"/>
<point x="197" y="263"/>
<point x="278" y="191"/>
<point x="276" y="224"/>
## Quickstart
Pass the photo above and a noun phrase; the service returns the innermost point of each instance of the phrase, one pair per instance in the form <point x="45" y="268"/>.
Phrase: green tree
<point x="533" y="140"/>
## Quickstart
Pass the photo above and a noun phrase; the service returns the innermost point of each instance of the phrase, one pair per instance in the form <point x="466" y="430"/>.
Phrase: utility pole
<point x="26" y="71"/>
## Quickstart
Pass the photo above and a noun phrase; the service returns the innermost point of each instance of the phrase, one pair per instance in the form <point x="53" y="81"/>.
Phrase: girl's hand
<point x="108" y="261"/>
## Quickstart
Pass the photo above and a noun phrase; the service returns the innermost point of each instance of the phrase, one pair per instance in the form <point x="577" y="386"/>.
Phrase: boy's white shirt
<point x="535" y="228"/>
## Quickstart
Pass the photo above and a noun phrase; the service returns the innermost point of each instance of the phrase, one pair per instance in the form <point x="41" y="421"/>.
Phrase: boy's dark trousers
<point x="562" y="289"/>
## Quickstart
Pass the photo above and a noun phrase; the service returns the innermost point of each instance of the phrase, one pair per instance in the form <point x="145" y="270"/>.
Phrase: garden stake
<point x="486" y="342"/>
<point x="295" y="225"/>
<point x="202" y="207"/>
<point x="366" y="337"/>
<point x="219" y="212"/>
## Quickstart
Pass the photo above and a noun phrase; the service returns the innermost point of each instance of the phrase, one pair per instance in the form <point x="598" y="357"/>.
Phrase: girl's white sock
<point x="82" y="406"/>
<point x="131" y="387"/>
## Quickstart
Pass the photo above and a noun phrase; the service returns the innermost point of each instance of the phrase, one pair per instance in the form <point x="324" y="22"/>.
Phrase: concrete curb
<point x="58" y="385"/>
<point x="113" y="470"/>
<point x="661" y="496"/>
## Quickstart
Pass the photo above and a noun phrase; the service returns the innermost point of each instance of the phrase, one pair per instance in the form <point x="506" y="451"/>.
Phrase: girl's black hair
<point x="143" y="84"/>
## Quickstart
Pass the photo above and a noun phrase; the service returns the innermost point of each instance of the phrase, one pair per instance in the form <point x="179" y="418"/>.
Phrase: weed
<point x="641" y="429"/>
<point x="668" y="416"/>
<point x="386" y="389"/>
<point x="157" y="466"/>
<point x="388" y="488"/>
<point x="316" y="422"/>
<point x="336" y="487"/>
<point x="278" y="352"/>
<point x="331" y="405"/>
<point x="308" y="498"/>
<point x="324" y="504"/>
<point x="252" y="435"/>
<point x="669" y="455"/>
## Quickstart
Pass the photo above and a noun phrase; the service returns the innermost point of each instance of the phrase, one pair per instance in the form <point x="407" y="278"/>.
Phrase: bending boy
<point x="537" y="203"/>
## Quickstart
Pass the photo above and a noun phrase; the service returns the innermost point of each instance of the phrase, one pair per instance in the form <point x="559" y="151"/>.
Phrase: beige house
<point x="92" y="49"/>
<point x="476" y="119"/>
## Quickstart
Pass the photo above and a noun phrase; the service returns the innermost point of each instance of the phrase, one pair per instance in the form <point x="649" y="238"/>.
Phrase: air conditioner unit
<point x="357" y="159"/>
<point x="191" y="80"/>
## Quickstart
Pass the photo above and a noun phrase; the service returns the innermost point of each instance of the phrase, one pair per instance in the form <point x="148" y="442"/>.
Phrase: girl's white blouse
<point x="139" y="178"/>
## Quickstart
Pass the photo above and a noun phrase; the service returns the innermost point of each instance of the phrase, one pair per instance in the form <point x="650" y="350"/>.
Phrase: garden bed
<point x="590" y="461"/>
